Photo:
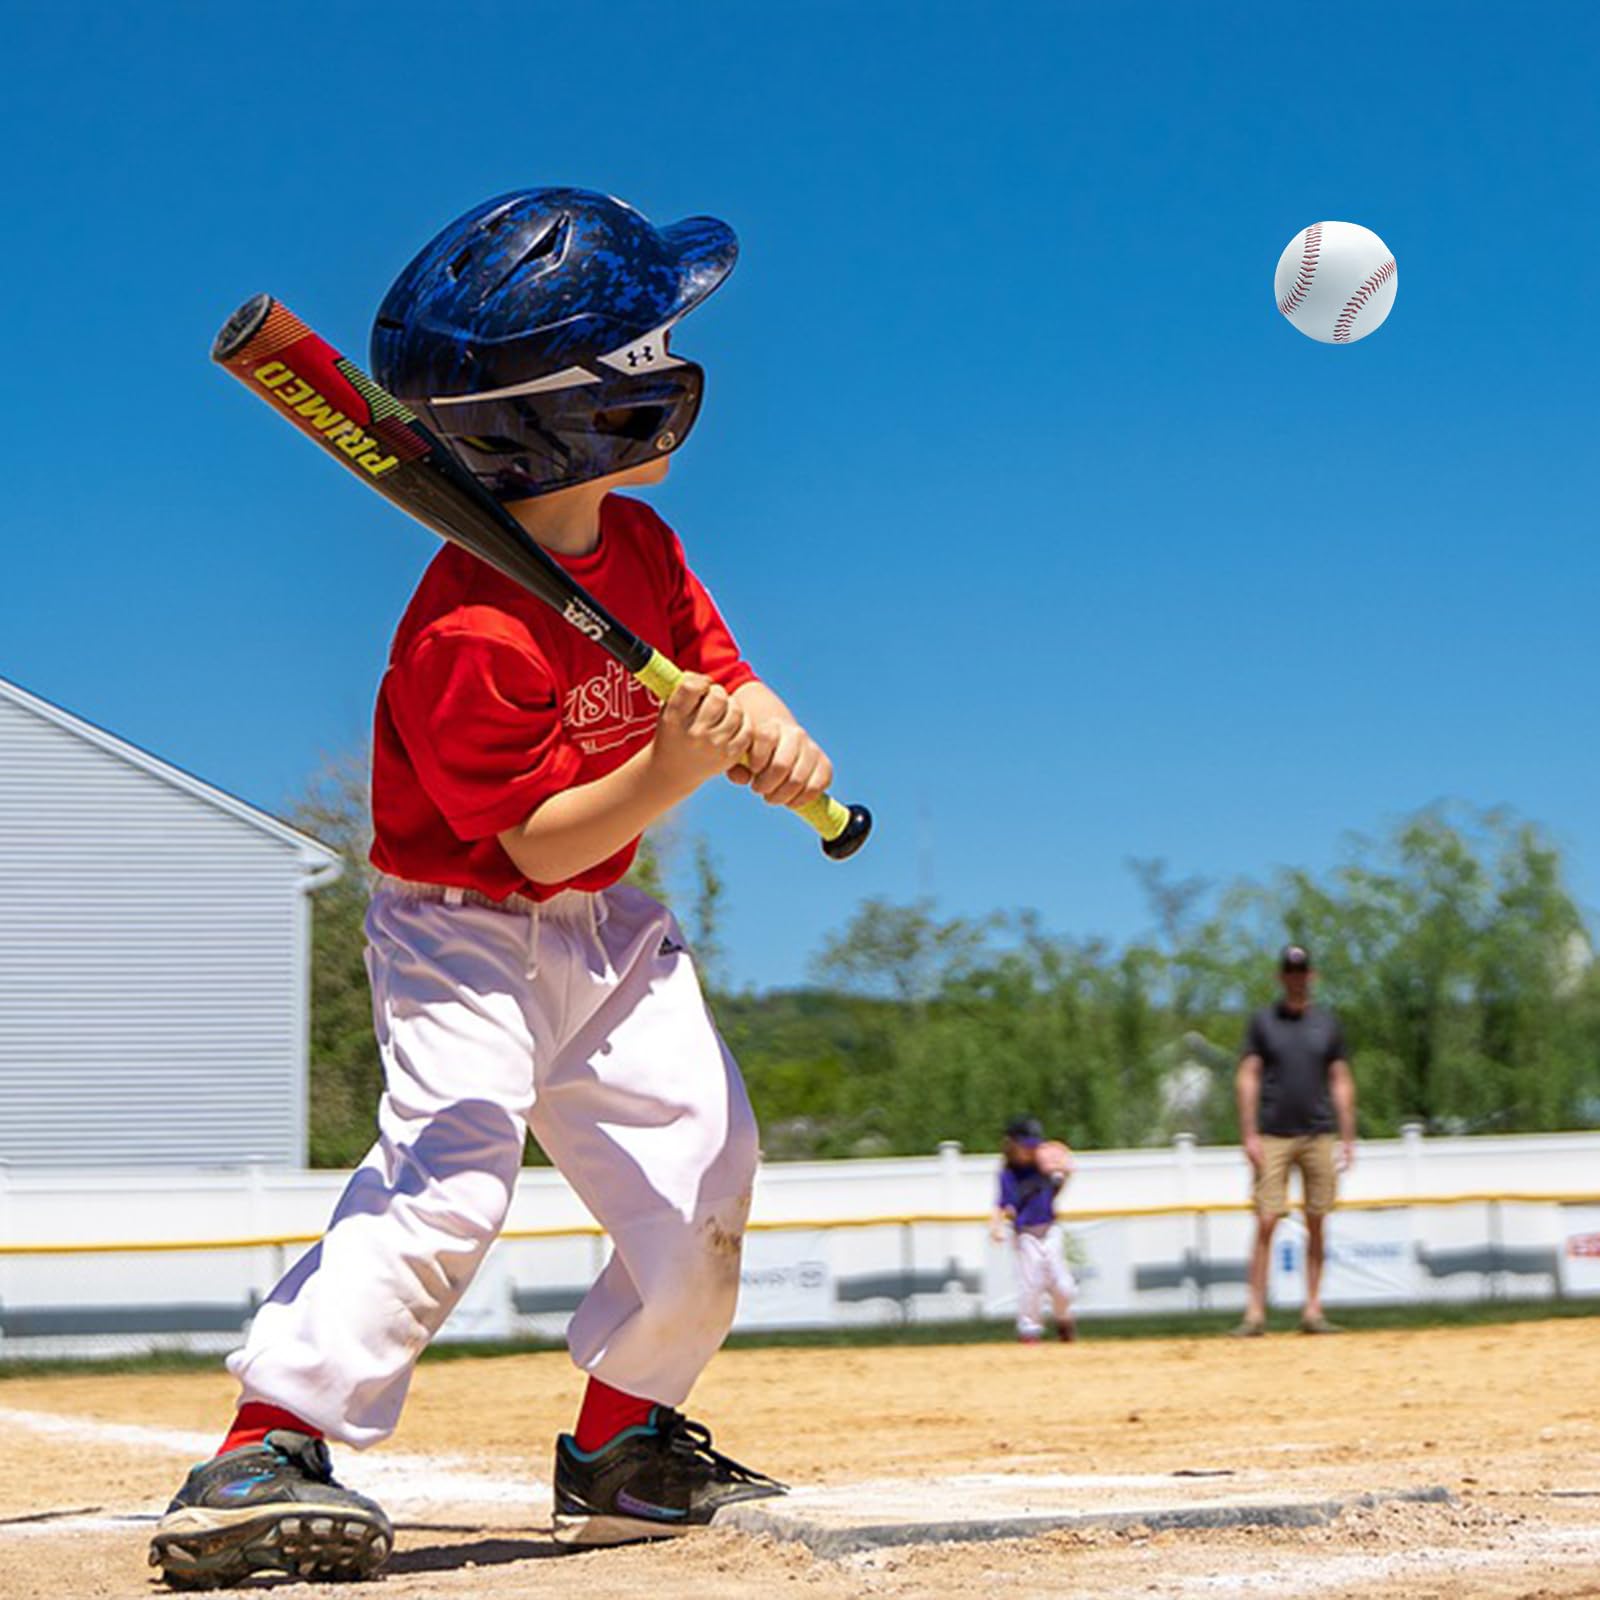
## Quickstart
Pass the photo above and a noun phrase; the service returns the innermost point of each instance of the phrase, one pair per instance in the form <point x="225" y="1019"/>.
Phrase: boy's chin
<point x="641" y="476"/>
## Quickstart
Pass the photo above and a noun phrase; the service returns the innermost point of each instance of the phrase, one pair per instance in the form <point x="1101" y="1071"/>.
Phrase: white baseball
<point x="1335" y="281"/>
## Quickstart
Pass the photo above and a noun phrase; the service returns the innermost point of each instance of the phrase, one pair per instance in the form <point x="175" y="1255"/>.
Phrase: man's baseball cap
<point x="1294" y="958"/>
<point x="1026" y="1131"/>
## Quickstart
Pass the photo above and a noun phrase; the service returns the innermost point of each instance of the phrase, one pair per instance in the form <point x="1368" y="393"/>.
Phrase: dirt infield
<point x="1506" y="1418"/>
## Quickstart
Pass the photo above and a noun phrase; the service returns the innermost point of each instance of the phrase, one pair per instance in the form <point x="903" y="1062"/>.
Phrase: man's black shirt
<point x="1296" y="1051"/>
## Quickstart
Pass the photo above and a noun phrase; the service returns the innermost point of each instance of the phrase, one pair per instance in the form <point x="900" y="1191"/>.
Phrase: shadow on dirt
<point x="498" y="1550"/>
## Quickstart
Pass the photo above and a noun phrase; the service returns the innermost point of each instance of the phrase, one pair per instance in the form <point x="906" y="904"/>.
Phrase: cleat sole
<point x="307" y="1543"/>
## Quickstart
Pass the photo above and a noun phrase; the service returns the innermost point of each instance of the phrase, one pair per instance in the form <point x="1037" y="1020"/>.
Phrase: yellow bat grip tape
<point x="828" y="816"/>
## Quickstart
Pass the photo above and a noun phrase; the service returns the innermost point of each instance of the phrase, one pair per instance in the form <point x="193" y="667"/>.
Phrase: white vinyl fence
<point x="139" y="1260"/>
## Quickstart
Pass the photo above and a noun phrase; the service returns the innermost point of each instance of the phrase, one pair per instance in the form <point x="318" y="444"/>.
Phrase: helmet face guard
<point x="532" y="335"/>
<point x="519" y="446"/>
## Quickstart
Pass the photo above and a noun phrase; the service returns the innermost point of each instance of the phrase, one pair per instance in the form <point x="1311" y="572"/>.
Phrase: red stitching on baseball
<point x="1308" y="270"/>
<point x="1347" y="317"/>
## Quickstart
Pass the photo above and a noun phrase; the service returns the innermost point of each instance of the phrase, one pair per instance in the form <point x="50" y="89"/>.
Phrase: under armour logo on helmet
<point x="648" y="350"/>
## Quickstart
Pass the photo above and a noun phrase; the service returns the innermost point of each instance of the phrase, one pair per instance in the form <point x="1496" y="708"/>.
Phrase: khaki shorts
<point x="1318" y="1174"/>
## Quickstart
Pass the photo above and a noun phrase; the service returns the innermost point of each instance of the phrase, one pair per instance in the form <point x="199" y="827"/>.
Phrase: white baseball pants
<point x="584" y="1021"/>
<point x="1042" y="1270"/>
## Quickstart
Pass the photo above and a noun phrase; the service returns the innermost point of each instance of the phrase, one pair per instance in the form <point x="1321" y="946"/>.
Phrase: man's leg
<point x="1270" y="1196"/>
<point x="1319" y="1175"/>
<point x="1255" y="1311"/>
<point x="1314" y="1258"/>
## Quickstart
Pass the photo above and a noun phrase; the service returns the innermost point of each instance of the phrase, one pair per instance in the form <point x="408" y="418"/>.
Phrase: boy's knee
<point x="690" y="1311"/>
<point x="695" y="1298"/>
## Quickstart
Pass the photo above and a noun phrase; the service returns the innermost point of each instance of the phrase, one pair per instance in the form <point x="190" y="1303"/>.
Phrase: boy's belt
<point x="520" y="905"/>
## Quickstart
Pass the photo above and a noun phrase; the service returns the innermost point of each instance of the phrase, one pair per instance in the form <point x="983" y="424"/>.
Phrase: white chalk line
<point x="66" y="1527"/>
<point x="1309" y="1572"/>
<point x="406" y="1484"/>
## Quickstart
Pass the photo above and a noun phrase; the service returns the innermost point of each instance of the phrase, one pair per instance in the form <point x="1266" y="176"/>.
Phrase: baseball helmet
<point x="531" y="334"/>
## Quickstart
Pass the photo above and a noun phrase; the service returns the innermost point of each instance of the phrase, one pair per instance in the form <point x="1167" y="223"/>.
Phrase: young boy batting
<point x="516" y="983"/>
<point x="1033" y="1172"/>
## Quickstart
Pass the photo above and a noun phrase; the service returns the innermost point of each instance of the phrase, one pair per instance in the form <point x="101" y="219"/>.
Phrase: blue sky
<point x="1009" y="476"/>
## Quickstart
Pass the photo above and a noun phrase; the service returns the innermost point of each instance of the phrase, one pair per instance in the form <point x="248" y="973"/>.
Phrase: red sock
<point x="256" y="1420"/>
<point x="605" y="1413"/>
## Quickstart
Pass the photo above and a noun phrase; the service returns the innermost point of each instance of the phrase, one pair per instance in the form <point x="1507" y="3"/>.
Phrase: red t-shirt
<point x="491" y="703"/>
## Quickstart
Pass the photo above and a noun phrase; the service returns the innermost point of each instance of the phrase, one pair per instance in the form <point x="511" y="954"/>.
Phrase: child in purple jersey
<point x="1032" y="1174"/>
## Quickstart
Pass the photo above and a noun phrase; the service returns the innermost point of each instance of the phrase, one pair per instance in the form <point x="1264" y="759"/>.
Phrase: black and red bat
<point x="363" y="427"/>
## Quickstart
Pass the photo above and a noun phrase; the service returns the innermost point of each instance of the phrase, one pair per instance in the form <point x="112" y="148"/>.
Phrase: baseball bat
<point x="365" y="429"/>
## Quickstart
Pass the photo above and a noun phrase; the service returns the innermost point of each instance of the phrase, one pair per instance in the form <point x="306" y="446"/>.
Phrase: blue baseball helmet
<point x="531" y="334"/>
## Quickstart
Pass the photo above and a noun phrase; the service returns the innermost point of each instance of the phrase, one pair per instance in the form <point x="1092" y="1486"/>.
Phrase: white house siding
<point x="154" y="943"/>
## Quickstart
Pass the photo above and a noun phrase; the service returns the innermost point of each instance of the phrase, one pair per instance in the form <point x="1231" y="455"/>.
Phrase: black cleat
<point x="651" y="1482"/>
<point x="269" y="1507"/>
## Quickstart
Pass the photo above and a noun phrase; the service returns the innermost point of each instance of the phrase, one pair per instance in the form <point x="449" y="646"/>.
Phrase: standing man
<point x="1294" y="1086"/>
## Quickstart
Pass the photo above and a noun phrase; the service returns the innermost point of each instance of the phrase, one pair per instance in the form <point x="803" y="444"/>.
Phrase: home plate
<point x="838" y="1520"/>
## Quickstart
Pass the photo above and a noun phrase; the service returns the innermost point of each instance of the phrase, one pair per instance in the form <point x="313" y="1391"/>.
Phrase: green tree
<point x="705" y="917"/>
<point x="346" y="1075"/>
<point x="649" y="868"/>
<point x="1458" y="959"/>
<point x="902" y="951"/>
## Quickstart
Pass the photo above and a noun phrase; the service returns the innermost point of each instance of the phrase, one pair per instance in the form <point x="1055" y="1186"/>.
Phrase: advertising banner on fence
<point x="1371" y="1259"/>
<point x="786" y="1281"/>
<point x="1580" y="1250"/>
<point x="1098" y="1254"/>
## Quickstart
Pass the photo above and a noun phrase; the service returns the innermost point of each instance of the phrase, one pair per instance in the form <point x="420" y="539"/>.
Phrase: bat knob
<point x="845" y="844"/>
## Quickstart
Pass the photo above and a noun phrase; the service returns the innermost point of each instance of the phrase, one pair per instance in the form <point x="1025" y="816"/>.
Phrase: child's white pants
<point x="585" y="1022"/>
<point x="1041" y="1270"/>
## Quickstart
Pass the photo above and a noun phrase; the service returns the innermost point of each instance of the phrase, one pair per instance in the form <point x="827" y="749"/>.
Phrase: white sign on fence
<point x="1371" y="1259"/>
<point x="1580" y="1250"/>
<point x="786" y="1281"/>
